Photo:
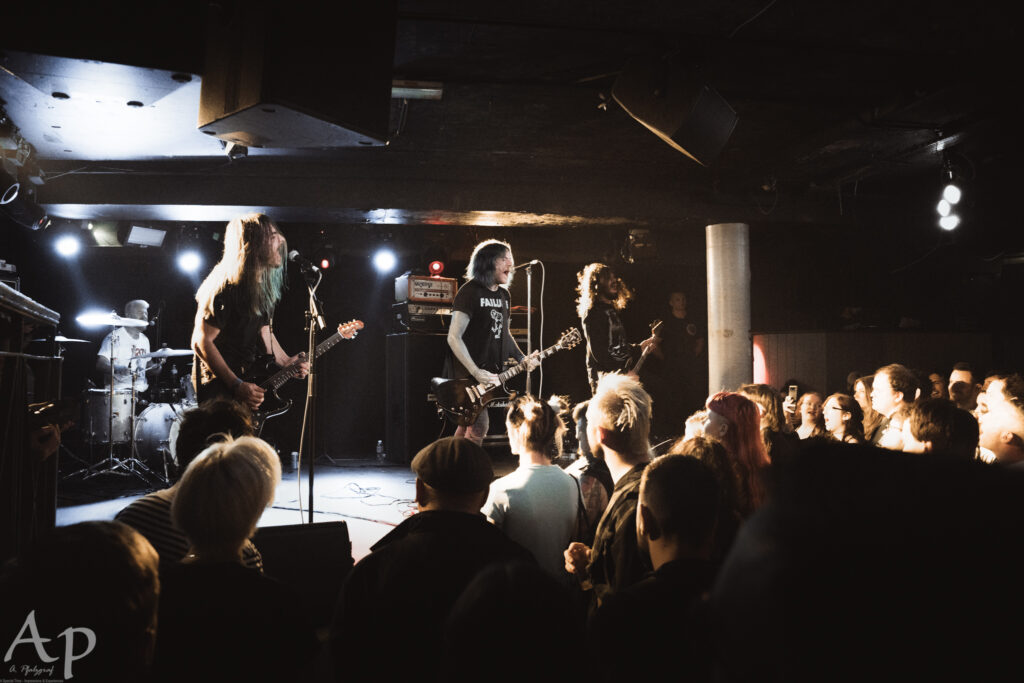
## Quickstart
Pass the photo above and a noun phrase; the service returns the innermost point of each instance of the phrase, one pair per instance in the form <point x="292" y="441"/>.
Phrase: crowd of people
<point x="888" y="507"/>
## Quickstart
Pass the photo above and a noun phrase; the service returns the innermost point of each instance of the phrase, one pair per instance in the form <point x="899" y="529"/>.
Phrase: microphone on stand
<point x="304" y="264"/>
<point x="526" y="265"/>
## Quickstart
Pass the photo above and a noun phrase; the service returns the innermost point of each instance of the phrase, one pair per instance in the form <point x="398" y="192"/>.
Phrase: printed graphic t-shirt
<point x="488" y="325"/>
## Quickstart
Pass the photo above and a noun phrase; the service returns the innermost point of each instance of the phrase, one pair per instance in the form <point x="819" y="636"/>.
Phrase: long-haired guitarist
<point x="601" y="295"/>
<point x="479" y="335"/>
<point x="235" y="307"/>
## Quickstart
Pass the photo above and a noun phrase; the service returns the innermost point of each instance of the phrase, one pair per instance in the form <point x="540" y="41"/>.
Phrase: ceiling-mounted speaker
<point x="676" y="106"/>
<point x="287" y="75"/>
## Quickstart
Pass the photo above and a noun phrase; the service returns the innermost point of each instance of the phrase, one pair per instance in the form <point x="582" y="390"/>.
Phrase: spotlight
<point x="944" y="208"/>
<point x="384" y="260"/>
<point x="189" y="261"/>
<point x="326" y="262"/>
<point x="436" y="268"/>
<point x="949" y="222"/>
<point x="951" y="193"/>
<point x="67" y="245"/>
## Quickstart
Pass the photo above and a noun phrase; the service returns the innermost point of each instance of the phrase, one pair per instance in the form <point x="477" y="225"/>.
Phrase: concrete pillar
<point x="730" y="354"/>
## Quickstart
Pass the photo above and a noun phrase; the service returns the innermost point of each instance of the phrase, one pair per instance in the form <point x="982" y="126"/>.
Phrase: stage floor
<point x="371" y="498"/>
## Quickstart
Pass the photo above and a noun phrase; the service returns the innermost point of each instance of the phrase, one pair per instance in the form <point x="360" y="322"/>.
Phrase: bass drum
<point x="96" y="416"/>
<point x="156" y="430"/>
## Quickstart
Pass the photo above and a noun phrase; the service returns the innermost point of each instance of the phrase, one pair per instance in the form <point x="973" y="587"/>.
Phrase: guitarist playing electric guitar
<point x="478" y="337"/>
<point x="235" y="305"/>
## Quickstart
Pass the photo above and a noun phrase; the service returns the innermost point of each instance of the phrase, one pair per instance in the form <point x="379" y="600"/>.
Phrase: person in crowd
<point x="811" y="423"/>
<point x="892" y="387"/>
<point x="843" y="419"/>
<point x="1001" y="419"/>
<point x="872" y="418"/>
<point x="618" y="429"/>
<point x="592" y="474"/>
<point x="220" y="620"/>
<point x="870" y="566"/>
<point x="234" y="309"/>
<point x="537" y="505"/>
<point x="733" y="419"/>
<point x="680" y="369"/>
<point x="418" y="570"/>
<point x="211" y="420"/>
<point x="680" y="502"/>
<point x="492" y="630"/>
<point x="479" y="337"/>
<point x="964" y="386"/>
<point x="81" y="605"/>
<point x="713" y="454"/>
<point x="937" y="425"/>
<point x="938" y="384"/>
<point x="779" y="439"/>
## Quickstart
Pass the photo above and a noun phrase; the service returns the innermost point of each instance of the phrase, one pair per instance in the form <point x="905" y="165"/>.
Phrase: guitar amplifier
<point x="427" y="289"/>
<point x="412" y="317"/>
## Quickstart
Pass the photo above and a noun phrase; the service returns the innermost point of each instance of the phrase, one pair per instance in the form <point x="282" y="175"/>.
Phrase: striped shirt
<point x="151" y="517"/>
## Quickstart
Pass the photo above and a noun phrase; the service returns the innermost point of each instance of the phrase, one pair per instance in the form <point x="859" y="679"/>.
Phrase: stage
<point x="370" y="497"/>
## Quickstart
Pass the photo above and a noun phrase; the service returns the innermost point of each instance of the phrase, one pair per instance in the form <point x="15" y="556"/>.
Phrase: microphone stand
<point x="314" y="322"/>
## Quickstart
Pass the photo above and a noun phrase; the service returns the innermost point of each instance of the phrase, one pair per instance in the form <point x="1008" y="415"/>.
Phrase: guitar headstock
<point x="569" y="338"/>
<point x="656" y="327"/>
<point x="350" y="329"/>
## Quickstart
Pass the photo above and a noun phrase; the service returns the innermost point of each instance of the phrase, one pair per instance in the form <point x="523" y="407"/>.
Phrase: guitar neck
<point x="284" y="374"/>
<point x="521" y="365"/>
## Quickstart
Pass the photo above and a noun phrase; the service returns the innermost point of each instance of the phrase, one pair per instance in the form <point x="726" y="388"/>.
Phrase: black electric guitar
<point x="463" y="399"/>
<point x="655" y="332"/>
<point x="270" y="376"/>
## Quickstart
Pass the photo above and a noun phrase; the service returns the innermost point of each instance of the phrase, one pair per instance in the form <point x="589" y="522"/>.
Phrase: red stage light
<point x="325" y="263"/>
<point x="436" y="268"/>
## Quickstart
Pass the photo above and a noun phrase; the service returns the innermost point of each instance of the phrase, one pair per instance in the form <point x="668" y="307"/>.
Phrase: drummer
<point x="122" y="345"/>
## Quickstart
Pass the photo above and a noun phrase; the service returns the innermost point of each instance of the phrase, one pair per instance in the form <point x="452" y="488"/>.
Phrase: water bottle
<point x="380" y="451"/>
<point x="295" y="460"/>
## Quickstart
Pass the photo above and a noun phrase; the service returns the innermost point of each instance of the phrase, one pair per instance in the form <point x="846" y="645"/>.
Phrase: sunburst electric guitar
<point x="270" y="377"/>
<point x="463" y="399"/>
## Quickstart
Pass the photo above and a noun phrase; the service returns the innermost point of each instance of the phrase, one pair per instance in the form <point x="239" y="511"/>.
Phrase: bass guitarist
<point x="479" y="336"/>
<point x="235" y="307"/>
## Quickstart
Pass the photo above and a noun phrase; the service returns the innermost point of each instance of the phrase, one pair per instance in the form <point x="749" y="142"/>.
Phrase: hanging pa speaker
<point x="684" y="112"/>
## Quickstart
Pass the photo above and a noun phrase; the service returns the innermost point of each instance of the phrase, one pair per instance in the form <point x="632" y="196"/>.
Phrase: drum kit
<point x="110" y="415"/>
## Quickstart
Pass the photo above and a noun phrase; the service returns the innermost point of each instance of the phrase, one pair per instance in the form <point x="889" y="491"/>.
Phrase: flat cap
<point x="454" y="465"/>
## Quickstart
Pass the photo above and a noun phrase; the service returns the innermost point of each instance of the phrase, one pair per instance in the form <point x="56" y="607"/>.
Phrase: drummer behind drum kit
<point x="109" y="416"/>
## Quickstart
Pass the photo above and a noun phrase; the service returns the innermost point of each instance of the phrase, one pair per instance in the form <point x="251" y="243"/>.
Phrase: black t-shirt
<point x="607" y="347"/>
<point x="679" y="337"/>
<point x="239" y="339"/>
<point x="487" y="334"/>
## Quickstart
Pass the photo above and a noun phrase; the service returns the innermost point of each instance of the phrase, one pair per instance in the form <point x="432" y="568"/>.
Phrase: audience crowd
<point x="865" y="534"/>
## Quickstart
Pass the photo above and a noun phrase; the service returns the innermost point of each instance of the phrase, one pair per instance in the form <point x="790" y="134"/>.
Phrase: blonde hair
<point x="224" y="491"/>
<point x="622" y="406"/>
<point x="243" y="263"/>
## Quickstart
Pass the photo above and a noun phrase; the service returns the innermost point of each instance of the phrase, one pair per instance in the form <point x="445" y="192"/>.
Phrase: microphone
<point x="526" y="265"/>
<point x="304" y="264"/>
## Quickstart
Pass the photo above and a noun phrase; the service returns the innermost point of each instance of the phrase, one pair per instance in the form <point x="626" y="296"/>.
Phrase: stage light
<point x="952" y="193"/>
<point x="944" y="208"/>
<point x="189" y="261"/>
<point x="67" y="245"/>
<point x="145" y="237"/>
<point x="384" y="260"/>
<point x="436" y="268"/>
<point x="326" y="263"/>
<point x="949" y="222"/>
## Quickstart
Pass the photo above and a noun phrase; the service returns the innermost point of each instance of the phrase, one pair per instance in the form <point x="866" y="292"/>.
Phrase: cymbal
<point x="98" y="319"/>
<point x="63" y="340"/>
<point x="166" y="353"/>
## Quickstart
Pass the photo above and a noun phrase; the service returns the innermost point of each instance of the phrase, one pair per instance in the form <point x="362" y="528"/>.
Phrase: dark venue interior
<point x="427" y="126"/>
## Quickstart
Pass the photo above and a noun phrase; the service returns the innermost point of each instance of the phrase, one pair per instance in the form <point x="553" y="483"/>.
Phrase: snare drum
<point x="156" y="429"/>
<point x="96" y="416"/>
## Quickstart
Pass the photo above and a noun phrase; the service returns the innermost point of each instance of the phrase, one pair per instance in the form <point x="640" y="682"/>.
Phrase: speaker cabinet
<point x="312" y="559"/>
<point x="278" y="76"/>
<point x="411" y="414"/>
<point x="687" y="114"/>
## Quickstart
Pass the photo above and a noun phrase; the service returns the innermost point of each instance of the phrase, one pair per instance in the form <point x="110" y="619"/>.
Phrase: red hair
<point x="744" y="444"/>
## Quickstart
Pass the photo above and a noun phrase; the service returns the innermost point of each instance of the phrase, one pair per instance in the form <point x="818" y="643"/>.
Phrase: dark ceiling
<point x="836" y="103"/>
